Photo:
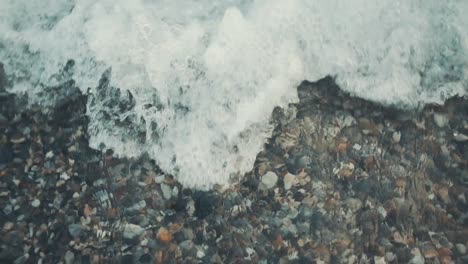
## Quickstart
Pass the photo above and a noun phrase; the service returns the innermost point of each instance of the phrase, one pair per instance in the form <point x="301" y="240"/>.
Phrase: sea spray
<point x="193" y="83"/>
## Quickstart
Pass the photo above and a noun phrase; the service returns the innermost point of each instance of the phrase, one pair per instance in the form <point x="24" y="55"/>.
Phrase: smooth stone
<point x="145" y="258"/>
<point x="75" y="230"/>
<point x="69" y="257"/>
<point x="127" y="259"/>
<point x="186" y="245"/>
<point x="136" y="207"/>
<point x="204" y="203"/>
<point x="6" y="154"/>
<point x="166" y="191"/>
<point x="461" y="249"/>
<point x="289" y="181"/>
<point x="35" y="203"/>
<point x="460" y="137"/>
<point x="8" y="226"/>
<point x="390" y="256"/>
<point x="379" y="260"/>
<point x="131" y="231"/>
<point x="3" y="119"/>
<point x="269" y="180"/>
<point x="417" y="260"/>
<point x="21" y="260"/>
<point x="382" y="211"/>
<point x="159" y="179"/>
<point x="440" y="120"/>
<point x="396" y="136"/>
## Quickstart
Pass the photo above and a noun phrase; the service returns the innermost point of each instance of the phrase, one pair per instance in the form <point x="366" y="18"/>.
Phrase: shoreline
<point x="342" y="180"/>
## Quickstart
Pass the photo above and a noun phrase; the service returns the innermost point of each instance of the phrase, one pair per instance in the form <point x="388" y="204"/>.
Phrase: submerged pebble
<point x="131" y="231"/>
<point x="35" y="203"/>
<point x="345" y="181"/>
<point x="268" y="180"/>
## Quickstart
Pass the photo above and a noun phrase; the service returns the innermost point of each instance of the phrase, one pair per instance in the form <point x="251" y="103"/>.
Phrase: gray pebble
<point x="269" y="180"/>
<point x="69" y="257"/>
<point x="461" y="249"/>
<point x="131" y="231"/>
<point x="75" y="230"/>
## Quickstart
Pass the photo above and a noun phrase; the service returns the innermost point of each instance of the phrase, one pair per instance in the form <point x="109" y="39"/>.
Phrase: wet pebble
<point x="186" y="245"/>
<point x="204" y="203"/>
<point x="366" y="212"/>
<point x="145" y="258"/>
<point x="166" y="191"/>
<point x="460" y="137"/>
<point x="127" y="259"/>
<point x="417" y="260"/>
<point x="69" y="257"/>
<point x="131" y="231"/>
<point x="35" y="203"/>
<point x="75" y="230"/>
<point x="268" y="180"/>
<point x="164" y="235"/>
<point x="6" y="154"/>
<point x="396" y="136"/>
<point x="8" y="226"/>
<point x="461" y="249"/>
<point x="289" y="181"/>
<point x="441" y="120"/>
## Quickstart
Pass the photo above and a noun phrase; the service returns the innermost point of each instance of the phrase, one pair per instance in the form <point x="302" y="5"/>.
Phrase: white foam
<point x="227" y="65"/>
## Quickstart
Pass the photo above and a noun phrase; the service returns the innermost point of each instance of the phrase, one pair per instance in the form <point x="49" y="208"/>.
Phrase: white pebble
<point x="64" y="176"/>
<point x="49" y="154"/>
<point x="461" y="249"/>
<point x="289" y="181"/>
<point x="166" y="191"/>
<point x="35" y="203"/>
<point x="159" y="179"/>
<point x="396" y="136"/>
<point x="440" y="120"/>
<point x="460" y="137"/>
<point x="200" y="254"/>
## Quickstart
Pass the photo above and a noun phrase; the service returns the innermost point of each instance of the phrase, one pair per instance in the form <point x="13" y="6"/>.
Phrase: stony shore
<point x="342" y="180"/>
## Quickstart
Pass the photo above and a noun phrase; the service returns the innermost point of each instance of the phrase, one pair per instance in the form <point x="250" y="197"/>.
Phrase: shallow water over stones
<point x="342" y="180"/>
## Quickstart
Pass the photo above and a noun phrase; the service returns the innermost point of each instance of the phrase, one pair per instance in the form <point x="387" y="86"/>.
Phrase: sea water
<point x="193" y="83"/>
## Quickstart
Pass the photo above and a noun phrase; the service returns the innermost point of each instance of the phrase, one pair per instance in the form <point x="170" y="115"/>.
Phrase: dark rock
<point x="251" y="183"/>
<point x="8" y="254"/>
<point x="180" y="205"/>
<point x="3" y="78"/>
<point x="3" y="119"/>
<point x="127" y="259"/>
<point x="75" y="230"/>
<point x="204" y="203"/>
<point x="85" y="259"/>
<point x="179" y="236"/>
<point x="6" y="154"/>
<point x="21" y="260"/>
<point x="298" y="163"/>
<point x="145" y="258"/>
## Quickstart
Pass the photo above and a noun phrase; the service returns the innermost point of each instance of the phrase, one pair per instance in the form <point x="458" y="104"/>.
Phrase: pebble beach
<point x="342" y="180"/>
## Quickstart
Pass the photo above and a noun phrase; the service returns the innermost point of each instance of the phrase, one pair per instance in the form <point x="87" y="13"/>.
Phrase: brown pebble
<point x="278" y="242"/>
<point x="164" y="235"/>
<point x="88" y="210"/>
<point x="442" y="192"/>
<point x="112" y="213"/>
<point x="342" y="147"/>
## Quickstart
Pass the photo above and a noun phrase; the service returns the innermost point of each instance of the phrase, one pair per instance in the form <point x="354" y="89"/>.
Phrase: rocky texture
<point x="342" y="180"/>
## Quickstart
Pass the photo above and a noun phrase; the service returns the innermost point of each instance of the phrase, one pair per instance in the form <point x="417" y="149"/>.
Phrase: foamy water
<point x="204" y="77"/>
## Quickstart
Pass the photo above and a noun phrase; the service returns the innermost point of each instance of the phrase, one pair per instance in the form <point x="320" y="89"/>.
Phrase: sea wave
<point x="193" y="83"/>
